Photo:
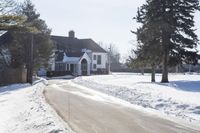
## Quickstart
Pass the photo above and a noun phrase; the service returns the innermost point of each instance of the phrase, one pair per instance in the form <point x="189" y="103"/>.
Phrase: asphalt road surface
<point x="89" y="112"/>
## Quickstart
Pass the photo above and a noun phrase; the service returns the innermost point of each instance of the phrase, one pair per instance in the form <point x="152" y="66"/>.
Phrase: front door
<point x="84" y="67"/>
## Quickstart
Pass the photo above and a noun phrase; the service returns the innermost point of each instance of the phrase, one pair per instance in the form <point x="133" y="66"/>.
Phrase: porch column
<point x="88" y="68"/>
<point x="79" y="72"/>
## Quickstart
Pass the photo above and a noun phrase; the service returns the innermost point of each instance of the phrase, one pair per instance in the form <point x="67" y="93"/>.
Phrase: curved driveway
<point x="87" y="111"/>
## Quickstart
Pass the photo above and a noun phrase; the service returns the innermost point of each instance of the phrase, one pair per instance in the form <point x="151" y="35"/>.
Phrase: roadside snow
<point x="23" y="109"/>
<point x="61" y="77"/>
<point x="180" y="98"/>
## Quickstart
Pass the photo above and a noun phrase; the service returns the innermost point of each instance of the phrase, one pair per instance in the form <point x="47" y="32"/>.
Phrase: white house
<point x="78" y="56"/>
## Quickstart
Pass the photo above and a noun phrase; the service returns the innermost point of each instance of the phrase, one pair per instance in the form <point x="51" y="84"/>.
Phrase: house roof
<point x="76" y="45"/>
<point x="74" y="54"/>
<point x="70" y="58"/>
<point x="60" y="55"/>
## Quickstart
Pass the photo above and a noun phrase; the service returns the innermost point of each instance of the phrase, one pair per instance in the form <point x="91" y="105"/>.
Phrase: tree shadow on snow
<point x="8" y="89"/>
<point x="56" y="131"/>
<point x="184" y="85"/>
<point x="191" y="86"/>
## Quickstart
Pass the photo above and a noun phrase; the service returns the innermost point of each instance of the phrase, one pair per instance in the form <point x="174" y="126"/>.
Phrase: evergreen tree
<point x="170" y="23"/>
<point x="11" y="22"/>
<point x="149" y="50"/>
<point x="42" y="48"/>
<point x="9" y="19"/>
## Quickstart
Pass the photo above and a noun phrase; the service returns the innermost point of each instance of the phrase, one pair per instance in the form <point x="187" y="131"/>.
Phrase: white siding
<point x="89" y="57"/>
<point x="85" y="56"/>
<point x="104" y="60"/>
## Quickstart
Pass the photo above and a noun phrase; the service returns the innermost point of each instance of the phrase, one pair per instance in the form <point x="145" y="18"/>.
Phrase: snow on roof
<point x="70" y="60"/>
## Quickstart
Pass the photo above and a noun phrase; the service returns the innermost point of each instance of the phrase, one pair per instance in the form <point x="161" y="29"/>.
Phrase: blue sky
<point x="107" y="21"/>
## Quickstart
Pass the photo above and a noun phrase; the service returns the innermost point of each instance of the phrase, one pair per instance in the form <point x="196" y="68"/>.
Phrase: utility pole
<point x="30" y="61"/>
<point x="109" y="59"/>
<point x="69" y="107"/>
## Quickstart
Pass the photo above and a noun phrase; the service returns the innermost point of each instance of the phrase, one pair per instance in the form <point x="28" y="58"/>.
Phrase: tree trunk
<point x="165" y="66"/>
<point x="153" y="73"/>
<point x="165" y="43"/>
<point x="30" y="63"/>
<point x="165" y="71"/>
<point x="142" y="71"/>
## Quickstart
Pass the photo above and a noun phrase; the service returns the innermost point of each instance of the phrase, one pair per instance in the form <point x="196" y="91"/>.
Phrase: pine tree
<point x="148" y="51"/>
<point x="42" y="49"/>
<point x="9" y="18"/>
<point x="171" y="23"/>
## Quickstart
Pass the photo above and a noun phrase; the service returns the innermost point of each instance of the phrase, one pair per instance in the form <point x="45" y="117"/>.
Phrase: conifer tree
<point x="170" y="23"/>
<point x="9" y="19"/>
<point x="42" y="49"/>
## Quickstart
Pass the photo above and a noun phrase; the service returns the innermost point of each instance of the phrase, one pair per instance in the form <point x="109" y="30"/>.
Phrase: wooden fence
<point x="10" y="76"/>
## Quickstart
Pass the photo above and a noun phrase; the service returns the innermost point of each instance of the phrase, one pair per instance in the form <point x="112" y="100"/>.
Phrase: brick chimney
<point x="71" y="34"/>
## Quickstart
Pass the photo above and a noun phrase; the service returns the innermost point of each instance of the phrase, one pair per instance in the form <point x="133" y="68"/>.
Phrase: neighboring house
<point x="78" y="56"/>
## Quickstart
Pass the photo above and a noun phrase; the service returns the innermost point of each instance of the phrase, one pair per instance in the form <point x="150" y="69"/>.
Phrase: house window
<point x="99" y="59"/>
<point x="94" y="66"/>
<point x="68" y="67"/>
<point x="95" y="57"/>
<point x="60" y="67"/>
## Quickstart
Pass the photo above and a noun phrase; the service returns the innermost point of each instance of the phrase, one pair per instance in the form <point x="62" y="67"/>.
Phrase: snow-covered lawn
<point x="23" y="109"/>
<point x="179" y="99"/>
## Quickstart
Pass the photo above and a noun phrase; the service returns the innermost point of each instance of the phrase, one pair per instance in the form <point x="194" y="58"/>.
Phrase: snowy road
<point x="178" y="99"/>
<point x="88" y="111"/>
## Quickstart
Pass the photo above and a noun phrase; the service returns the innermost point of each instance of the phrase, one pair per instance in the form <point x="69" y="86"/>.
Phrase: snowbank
<point x="61" y="77"/>
<point x="180" y="98"/>
<point x="24" y="109"/>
